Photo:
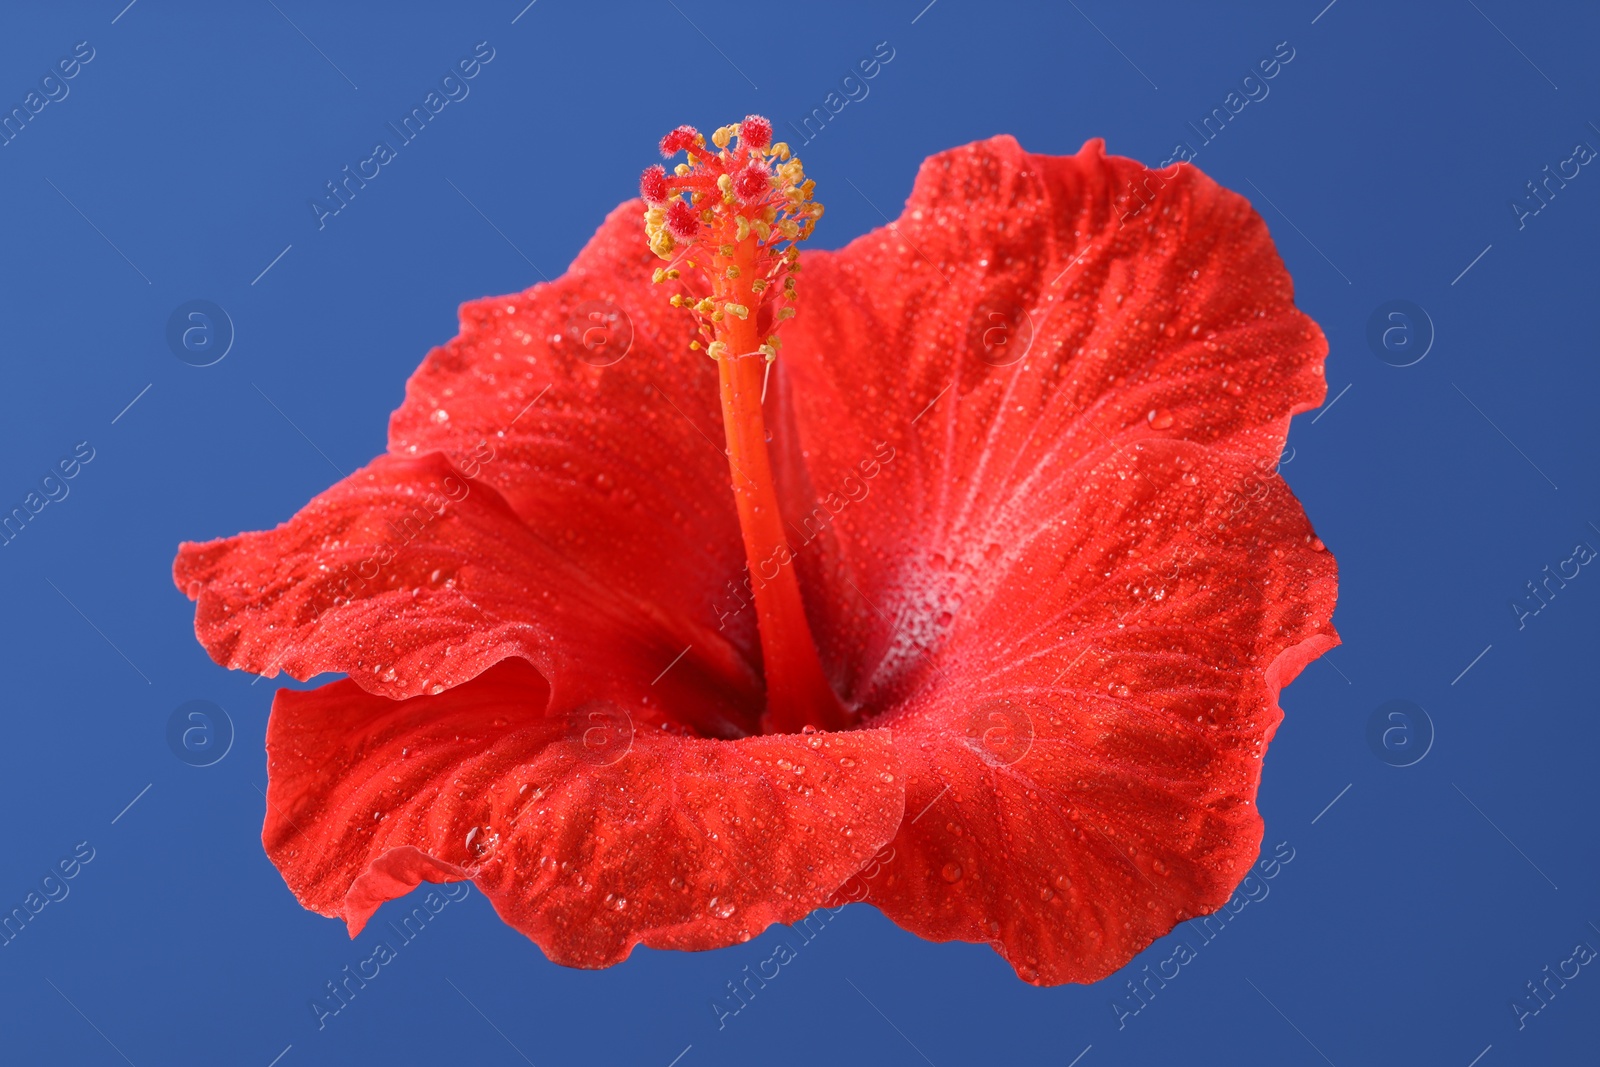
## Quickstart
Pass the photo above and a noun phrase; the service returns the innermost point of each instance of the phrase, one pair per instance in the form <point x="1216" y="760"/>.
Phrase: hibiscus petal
<point x="411" y="578"/>
<point x="1022" y="317"/>
<point x="995" y="527"/>
<point x="605" y="431"/>
<point x="579" y="404"/>
<point x="1085" y="745"/>
<point x="588" y="834"/>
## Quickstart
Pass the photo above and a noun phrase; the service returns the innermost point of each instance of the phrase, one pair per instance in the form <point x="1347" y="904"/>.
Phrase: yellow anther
<point x="749" y="207"/>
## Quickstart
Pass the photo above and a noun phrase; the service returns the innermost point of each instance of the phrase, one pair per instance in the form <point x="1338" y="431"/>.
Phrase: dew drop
<point x="951" y="872"/>
<point x="1159" y="418"/>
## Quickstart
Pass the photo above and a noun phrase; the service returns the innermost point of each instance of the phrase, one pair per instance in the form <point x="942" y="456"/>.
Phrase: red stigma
<point x="682" y="222"/>
<point x="752" y="183"/>
<point x="679" y="140"/>
<point x="755" y="131"/>
<point x="653" y="185"/>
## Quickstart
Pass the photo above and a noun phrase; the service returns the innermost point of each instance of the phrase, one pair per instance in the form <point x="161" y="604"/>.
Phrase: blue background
<point x="181" y="164"/>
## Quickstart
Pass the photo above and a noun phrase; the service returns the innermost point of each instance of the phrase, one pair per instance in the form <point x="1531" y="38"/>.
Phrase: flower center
<point x="727" y="222"/>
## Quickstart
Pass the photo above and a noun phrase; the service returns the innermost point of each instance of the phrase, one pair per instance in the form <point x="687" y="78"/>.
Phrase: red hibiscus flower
<point x="989" y="632"/>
